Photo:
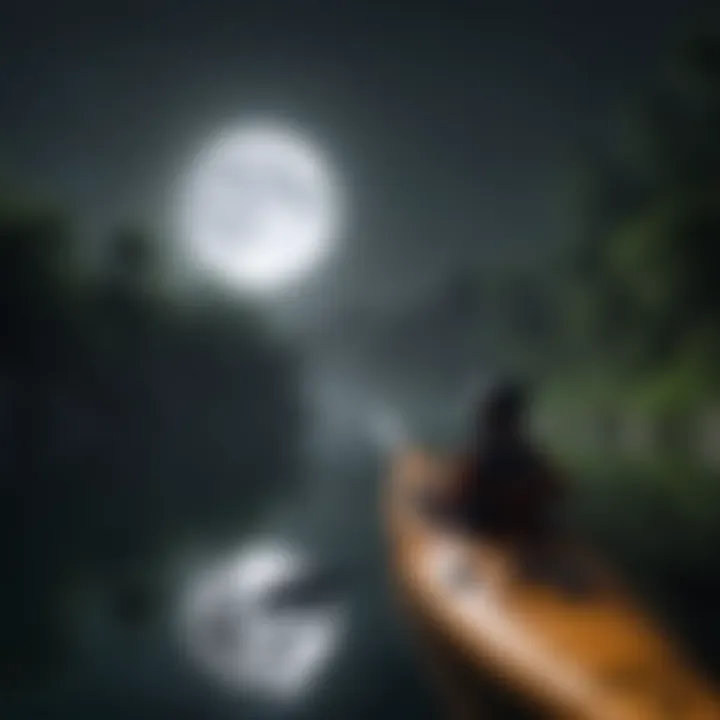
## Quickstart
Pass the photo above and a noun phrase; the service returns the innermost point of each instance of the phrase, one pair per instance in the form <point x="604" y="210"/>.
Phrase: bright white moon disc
<point x="260" y="208"/>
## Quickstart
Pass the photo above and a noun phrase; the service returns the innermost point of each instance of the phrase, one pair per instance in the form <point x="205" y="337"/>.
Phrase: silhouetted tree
<point x="130" y="422"/>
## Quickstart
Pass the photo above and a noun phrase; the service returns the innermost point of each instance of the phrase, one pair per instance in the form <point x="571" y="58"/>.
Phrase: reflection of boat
<point x="495" y="637"/>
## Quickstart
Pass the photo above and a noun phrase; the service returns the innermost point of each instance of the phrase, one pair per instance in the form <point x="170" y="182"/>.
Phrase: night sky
<point x="452" y="123"/>
<point x="453" y="126"/>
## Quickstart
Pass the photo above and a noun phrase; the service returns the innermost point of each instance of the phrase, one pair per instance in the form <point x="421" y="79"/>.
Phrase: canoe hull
<point x="502" y="645"/>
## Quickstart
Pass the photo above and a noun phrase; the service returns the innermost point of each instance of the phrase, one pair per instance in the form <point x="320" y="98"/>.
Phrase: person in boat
<point x="506" y="487"/>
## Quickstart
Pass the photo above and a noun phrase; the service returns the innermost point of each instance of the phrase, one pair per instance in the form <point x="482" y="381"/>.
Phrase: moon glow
<point x="235" y="633"/>
<point x="260" y="209"/>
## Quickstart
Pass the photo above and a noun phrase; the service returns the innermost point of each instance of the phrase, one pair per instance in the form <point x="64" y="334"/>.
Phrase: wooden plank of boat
<point x="597" y="656"/>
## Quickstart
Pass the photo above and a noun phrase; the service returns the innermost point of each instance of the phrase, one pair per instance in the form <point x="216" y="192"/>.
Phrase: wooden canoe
<point x="492" y="633"/>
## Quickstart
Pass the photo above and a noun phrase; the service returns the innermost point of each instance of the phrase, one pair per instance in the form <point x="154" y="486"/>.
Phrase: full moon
<point x="260" y="208"/>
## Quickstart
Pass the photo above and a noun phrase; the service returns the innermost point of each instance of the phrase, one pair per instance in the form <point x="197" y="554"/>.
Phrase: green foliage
<point x="642" y="326"/>
<point x="642" y="296"/>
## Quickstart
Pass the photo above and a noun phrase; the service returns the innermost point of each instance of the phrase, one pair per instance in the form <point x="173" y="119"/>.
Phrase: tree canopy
<point x="131" y="421"/>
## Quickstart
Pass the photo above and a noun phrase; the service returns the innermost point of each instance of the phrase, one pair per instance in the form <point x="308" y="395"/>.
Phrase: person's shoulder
<point x="549" y="468"/>
<point x="539" y="457"/>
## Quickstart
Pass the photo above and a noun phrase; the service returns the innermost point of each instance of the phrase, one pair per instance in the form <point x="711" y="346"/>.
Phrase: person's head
<point x="502" y="411"/>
